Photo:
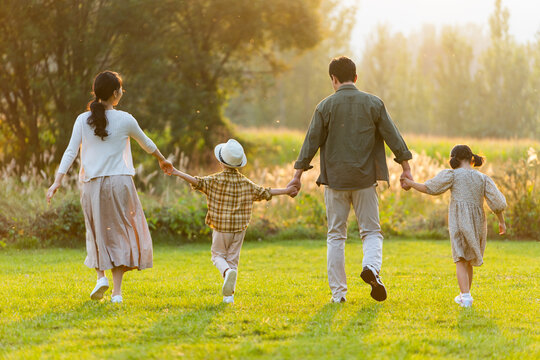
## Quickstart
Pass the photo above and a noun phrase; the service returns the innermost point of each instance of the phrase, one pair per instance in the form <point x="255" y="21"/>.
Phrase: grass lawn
<point x="282" y="308"/>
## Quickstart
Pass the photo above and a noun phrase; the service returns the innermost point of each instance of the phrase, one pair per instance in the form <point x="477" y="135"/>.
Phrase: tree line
<point x="455" y="81"/>
<point x="180" y="60"/>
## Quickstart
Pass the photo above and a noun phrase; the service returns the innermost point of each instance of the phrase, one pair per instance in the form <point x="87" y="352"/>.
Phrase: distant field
<point x="282" y="309"/>
<point x="279" y="146"/>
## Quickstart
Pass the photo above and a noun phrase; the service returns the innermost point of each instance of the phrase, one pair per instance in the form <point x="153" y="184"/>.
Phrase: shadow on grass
<point x="185" y="327"/>
<point x="41" y="329"/>
<point x="318" y="340"/>
<point x="482" y="335"/>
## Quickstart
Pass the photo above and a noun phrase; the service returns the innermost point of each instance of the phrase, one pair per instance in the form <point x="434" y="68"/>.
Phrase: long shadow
<point x="321" y="323"/>
<point x="318" y="331"/>
<point x="483" y="335"/>
<point x="183" y="327"/>
<point x="41" y="329"/>
<point x="362" y="323"/>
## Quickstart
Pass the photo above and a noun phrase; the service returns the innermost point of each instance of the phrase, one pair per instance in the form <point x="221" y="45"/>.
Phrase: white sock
<point x="466" y="294"/>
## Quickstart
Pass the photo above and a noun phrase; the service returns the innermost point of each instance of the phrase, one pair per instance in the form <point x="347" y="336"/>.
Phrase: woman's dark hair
<point x="343" y="68"/>
<point x="463" y="152"/>
<point x="104" y="87"/>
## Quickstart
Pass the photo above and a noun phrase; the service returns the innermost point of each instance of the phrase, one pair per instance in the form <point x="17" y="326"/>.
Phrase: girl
<point x="117" y="235"/>
<point x="466" y="218"/>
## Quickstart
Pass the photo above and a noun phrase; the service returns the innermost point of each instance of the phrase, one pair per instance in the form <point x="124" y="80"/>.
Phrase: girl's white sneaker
<point x="464" y="300"/>
<point x="116" y="299"/>
<point x="101" y="286"/>
<point x="228" y="299"/>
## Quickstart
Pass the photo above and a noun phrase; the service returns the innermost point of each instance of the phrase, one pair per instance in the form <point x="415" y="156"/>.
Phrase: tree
<point x="181" y="59"/>
<point x="502" y="83"/>
<point x="215" y="42"/>
<point x="289" y="97"/>
<point x="386" y="72"/>
<point x="47" y="67"/>
<point x="453" y="83"/>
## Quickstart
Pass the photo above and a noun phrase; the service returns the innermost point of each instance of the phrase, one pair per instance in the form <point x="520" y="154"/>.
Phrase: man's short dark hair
<point x="343" y="68"/>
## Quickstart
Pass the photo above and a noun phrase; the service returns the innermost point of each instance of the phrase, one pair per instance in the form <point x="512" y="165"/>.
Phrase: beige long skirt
<point x="116" y="229"/>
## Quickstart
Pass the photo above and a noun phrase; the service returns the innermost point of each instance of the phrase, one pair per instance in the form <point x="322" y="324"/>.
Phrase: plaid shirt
<point x="230" y="196"/>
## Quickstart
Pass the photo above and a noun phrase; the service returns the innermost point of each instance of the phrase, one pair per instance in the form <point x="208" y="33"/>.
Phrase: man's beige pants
<point x="366" y="207"/>
<point x="226" y="249"/>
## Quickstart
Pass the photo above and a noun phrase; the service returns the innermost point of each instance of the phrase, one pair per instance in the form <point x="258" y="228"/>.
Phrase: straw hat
<point x="231" y="154"/>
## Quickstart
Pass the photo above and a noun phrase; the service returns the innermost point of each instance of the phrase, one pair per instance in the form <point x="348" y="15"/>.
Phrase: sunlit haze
<point x="408" y="16"/>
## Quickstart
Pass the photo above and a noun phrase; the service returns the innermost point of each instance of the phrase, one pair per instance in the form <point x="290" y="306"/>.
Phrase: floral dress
<point x="467" y="223"/>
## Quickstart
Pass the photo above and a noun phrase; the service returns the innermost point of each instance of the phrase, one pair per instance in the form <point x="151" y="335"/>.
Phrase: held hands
<point x="294" y="185"/>
<point x="166" y="166"/>
<point x="406" y="180"/>
<point x="406" y="183"/>
<point x="292" y="191"/>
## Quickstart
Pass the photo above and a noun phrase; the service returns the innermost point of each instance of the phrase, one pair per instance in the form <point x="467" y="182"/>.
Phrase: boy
<point x="230" y="196"/>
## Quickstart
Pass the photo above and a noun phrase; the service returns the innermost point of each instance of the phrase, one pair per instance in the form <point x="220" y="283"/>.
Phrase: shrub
<point x="520" y="183"/>
<point x="184" y="220"/>
<point x="61" y="226"/>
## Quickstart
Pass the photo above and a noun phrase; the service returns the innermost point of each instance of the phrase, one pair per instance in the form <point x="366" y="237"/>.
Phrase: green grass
<point x="174" y="310"/>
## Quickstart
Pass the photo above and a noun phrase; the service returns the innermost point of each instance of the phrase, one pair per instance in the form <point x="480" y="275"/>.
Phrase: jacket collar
<point x="347" y="87"/>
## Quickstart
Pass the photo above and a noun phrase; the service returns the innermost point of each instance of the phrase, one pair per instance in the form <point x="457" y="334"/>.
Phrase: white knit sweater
<point x="110" y="156"/>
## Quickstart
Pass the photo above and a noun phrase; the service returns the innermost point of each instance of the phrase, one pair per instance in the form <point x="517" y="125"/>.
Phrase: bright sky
<point x="407" y="16"/>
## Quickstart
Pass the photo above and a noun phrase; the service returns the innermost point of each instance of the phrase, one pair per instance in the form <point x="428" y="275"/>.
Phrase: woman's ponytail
<point x="105" y="84"/>
<point x="478" y="160"/>
<point x="97" y="119"/>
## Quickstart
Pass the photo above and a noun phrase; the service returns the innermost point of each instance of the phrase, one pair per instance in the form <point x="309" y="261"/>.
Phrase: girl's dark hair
<point x="104" y="86"/>
<point x="463" y="152"/>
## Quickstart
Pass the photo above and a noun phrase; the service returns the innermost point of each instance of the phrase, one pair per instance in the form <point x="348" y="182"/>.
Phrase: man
<point x="350" y="128"/>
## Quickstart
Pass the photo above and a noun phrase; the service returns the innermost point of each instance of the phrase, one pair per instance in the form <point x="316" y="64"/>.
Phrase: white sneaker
<point x="116" y="299"/>
<point x="228" y="299"/>
<point x="101" y="286"/>
<point x="338" y="300"/>
<point x="464" y="300"/>
<point x="229" y="282"/>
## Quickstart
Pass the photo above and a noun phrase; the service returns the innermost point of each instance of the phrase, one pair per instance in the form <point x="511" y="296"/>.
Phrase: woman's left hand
<point x="166" y="166"/>
<point x="52" y="190"/>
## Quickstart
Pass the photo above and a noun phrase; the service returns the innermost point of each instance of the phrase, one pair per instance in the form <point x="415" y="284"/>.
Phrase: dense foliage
<point x="180" y="59"/>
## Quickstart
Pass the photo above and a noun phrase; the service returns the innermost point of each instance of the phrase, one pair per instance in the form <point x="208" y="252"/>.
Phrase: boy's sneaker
<point x="338" y="300"/>
<point x="378" y="291"/>
<point x="229" y="282"/>
<point x="228" y="299"/>
<point x="101" y="286"/>
<point x="117" y="299"/>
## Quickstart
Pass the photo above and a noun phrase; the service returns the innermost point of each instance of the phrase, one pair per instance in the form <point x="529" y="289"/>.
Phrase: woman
<point x="117" y="235"/>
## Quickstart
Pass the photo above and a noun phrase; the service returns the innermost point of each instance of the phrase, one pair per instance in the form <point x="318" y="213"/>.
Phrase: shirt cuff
<point x="199" y="184"/>
<point x="267" y="195"/>
<point x="403" y="156"/>
<point x="302" y="165"/>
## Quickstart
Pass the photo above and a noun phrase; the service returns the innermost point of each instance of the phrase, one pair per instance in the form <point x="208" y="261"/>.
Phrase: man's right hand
<point x="406" y="174"/>
<point x="296" y="182"/>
